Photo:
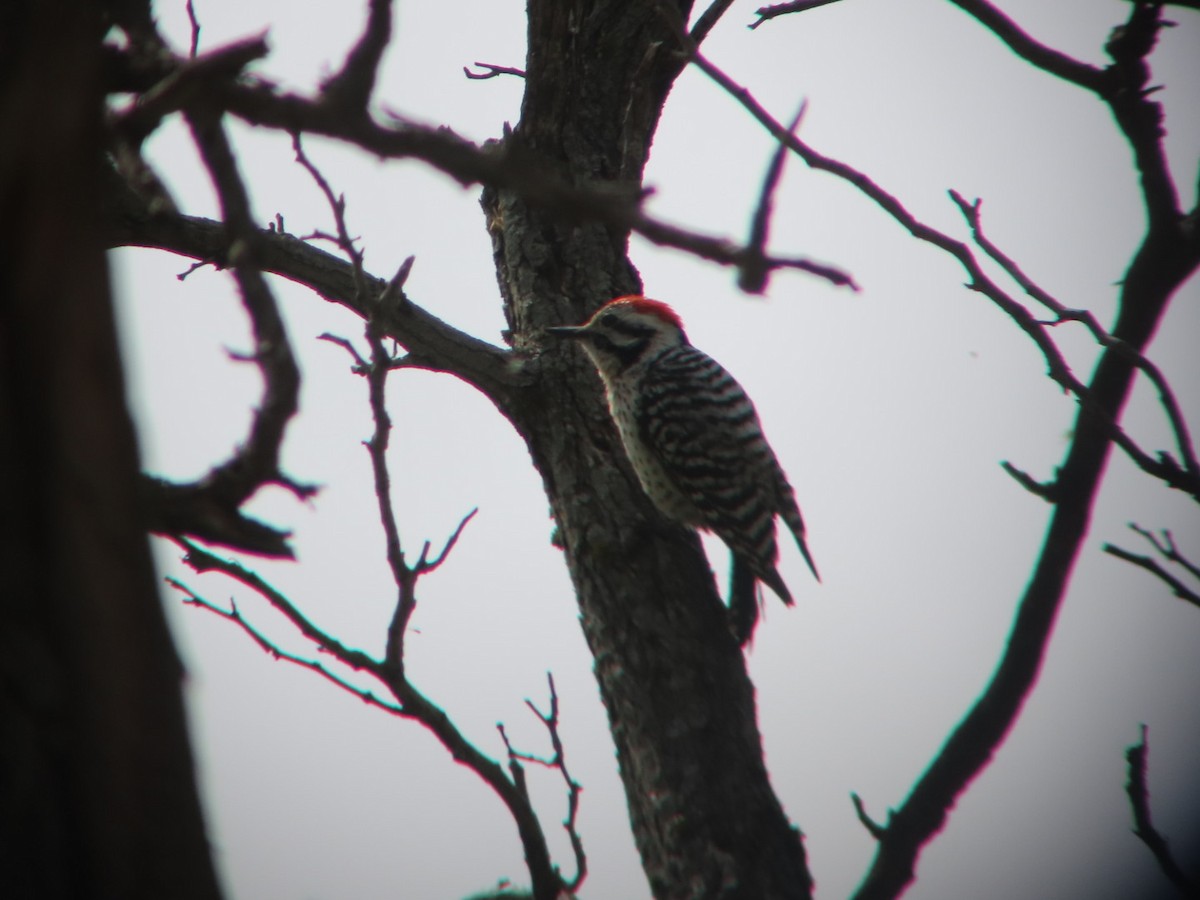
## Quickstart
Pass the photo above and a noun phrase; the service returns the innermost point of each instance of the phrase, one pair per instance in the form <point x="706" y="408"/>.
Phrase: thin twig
<point x="403" y="577"/>
<point x="337" y="205"/>
<point x="1167" y="548"/>
<point x="766" y="13"/>
<point x="491" y="71"/>
<point x="574" y="788"/>
<point x="360" y="364"/>
<point x="515" y="770"/>
<point x="752" y="276"/>
<point x="877" y="831"/>
<point x="395" y="287"/>
<point x="1048" y="491"/>
<point x="1180" y="590"/>
<point x="1171" y="553"/>
<point x="233" y="614"/>
<point x="424" y="566"/>
<point x="1046" y="58"/>
<point x="195" y="23"/>
<point x="200" y="560"/>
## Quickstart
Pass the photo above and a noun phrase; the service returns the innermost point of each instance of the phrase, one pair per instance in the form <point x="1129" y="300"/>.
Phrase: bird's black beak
<point x="568" y="331"/>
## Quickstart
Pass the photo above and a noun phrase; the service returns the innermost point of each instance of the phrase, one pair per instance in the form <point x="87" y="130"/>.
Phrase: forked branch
<point x="390" y="671"/>
<point x="1168" y="551"/>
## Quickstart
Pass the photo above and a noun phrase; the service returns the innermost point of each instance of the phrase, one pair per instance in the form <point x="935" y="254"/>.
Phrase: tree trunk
<point x="97" y="795"/>
<point x="674" y="682"/>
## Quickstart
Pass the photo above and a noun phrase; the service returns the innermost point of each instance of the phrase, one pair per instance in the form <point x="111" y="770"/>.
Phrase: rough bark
<point x="674" y="683"/>
<point x="97" y="796"/>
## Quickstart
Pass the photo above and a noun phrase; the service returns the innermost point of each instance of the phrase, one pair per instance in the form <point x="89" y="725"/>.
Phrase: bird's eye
<point x="608" y="319"/>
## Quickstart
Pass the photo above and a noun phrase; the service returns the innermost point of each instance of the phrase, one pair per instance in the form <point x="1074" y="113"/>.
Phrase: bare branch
<point x="510" y="168"/>
<point x="766" y="13"/>
<point x="360" y="364"/>
<point x="391" y="671"/>
<point x="877" y="831"/>
<point x="191" y="509"/>
<point x="1187" y="478"/>
<point x="194" y="47"/>
<point x="1164" y="467"/>
<point x="752" y="263"/>
<point x="708" y="20"/>
<point x="209" y="509"/>
<point x="434" y="344"/>
<point x="491" y="71"/>
<point x="545" y="878"/>
<point x="233" y="614"/>
<point x="1039" y="55"/>
<point x="1182" y="591"/>
<point x="425" y="565"/>
<point x="395" y="288"/>
<point x="1139" y="800"/>
<point x="257" y="461"/>
<point x="1182" y="4"/>
<point x="1048" y="491"/>
<point x="515" y="770"/>
<point x="752" y="276"/>
<point x="725" y="253"/>
<point x="337" y="205"/>
<point x="403" y="577"/>
<point x="1056" y="364"/>
<point x="574" y="788"/>
<point x="200" y="560"/>
<point x="184" y="82"/>
<point x="1167" y="548"/>
<point x="412" y="703"/>
<point x="350" y="89"/>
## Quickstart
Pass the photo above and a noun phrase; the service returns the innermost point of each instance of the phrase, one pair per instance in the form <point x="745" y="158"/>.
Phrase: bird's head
<point x="624" y="331"/>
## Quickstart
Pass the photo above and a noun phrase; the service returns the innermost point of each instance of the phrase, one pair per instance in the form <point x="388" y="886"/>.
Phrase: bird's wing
<point x="702" y="428"/>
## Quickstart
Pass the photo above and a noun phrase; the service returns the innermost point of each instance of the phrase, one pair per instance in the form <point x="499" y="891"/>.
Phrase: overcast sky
<point x="890" y="410"/>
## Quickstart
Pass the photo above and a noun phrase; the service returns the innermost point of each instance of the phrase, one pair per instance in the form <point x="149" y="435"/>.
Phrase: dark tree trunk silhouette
<point x="97" y="796"/>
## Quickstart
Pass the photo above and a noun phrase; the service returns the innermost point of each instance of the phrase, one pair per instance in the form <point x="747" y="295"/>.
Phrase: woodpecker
<point x="695" y="442"/>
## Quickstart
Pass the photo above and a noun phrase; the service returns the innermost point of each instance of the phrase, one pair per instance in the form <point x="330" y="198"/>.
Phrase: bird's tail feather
<point x="795" y="523"/>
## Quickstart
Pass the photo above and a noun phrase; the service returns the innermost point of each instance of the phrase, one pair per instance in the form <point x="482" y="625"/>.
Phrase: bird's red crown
<point x="646" y="305"/>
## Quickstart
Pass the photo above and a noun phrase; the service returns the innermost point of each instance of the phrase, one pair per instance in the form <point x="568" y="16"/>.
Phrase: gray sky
<point x="890" y="409"/>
